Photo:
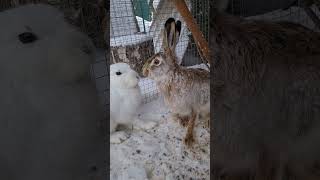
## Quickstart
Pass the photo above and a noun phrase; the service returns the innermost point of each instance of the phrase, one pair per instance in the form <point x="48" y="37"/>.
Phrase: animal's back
<point x="267" y="105"/>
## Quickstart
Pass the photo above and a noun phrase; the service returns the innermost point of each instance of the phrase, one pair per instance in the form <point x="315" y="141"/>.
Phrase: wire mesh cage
<point x="135" y="34"/>
<point x="90" y="17"/>
<point x="285" y="10"/>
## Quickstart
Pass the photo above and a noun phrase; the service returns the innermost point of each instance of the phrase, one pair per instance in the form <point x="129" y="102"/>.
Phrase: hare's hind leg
<point x="189" y="139"/>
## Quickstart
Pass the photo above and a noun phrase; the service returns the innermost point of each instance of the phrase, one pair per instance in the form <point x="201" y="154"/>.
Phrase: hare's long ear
<point x="178" y="32"/>
<point x="168" y="33"/>
<point x="171" y="34"/>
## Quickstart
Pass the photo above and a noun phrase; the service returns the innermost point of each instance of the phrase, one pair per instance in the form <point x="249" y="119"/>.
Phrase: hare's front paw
<point x="182" y="120"/>
<point x="189" y="140"/>
<point x="118" y="137"/>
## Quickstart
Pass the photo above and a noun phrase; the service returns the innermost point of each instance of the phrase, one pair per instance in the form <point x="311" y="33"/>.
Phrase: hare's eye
<point x="118" y="73"/>
<point x="156" y="62"/>
<point x="27" y="37"/>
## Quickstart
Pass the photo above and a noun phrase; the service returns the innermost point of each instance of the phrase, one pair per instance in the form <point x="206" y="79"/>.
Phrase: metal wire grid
<point x="149" y="89"/>
<point x="127" y="28"/>
<point x="200" y="11"/>
<point x="122" y="18"/>
<point x="294" y="14"/>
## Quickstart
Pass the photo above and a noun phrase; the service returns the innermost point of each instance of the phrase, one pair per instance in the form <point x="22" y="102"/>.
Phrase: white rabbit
<point x="125" y="96"/>
<point x="50" y="113"/>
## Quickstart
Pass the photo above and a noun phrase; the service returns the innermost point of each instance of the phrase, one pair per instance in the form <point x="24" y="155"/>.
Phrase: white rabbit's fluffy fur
<point x="125" y="96"/>
<point x="49" y="108"/>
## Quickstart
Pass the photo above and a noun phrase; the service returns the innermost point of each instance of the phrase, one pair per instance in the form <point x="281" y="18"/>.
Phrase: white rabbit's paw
<point x="118" y="137"/>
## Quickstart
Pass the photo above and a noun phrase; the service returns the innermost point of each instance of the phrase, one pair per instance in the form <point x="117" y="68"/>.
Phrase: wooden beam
<point x="201" y="42"/>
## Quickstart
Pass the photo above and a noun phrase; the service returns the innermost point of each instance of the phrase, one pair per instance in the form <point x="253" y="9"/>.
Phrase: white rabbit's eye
<point x="27" y="37"/>
<point x="118" y="73"/>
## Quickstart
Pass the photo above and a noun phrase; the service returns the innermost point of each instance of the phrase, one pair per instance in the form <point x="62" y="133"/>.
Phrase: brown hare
<point x="185" y="90"/>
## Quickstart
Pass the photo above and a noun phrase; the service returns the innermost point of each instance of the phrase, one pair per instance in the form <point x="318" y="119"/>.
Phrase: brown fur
<point x="267" y="86"/>
<point x="179" y="79"/>
<point x="189" y="140"/>
<point x="185" y="91"/>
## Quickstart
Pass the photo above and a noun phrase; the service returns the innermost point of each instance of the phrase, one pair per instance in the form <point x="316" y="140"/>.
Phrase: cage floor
<point x="157" y="151"/>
